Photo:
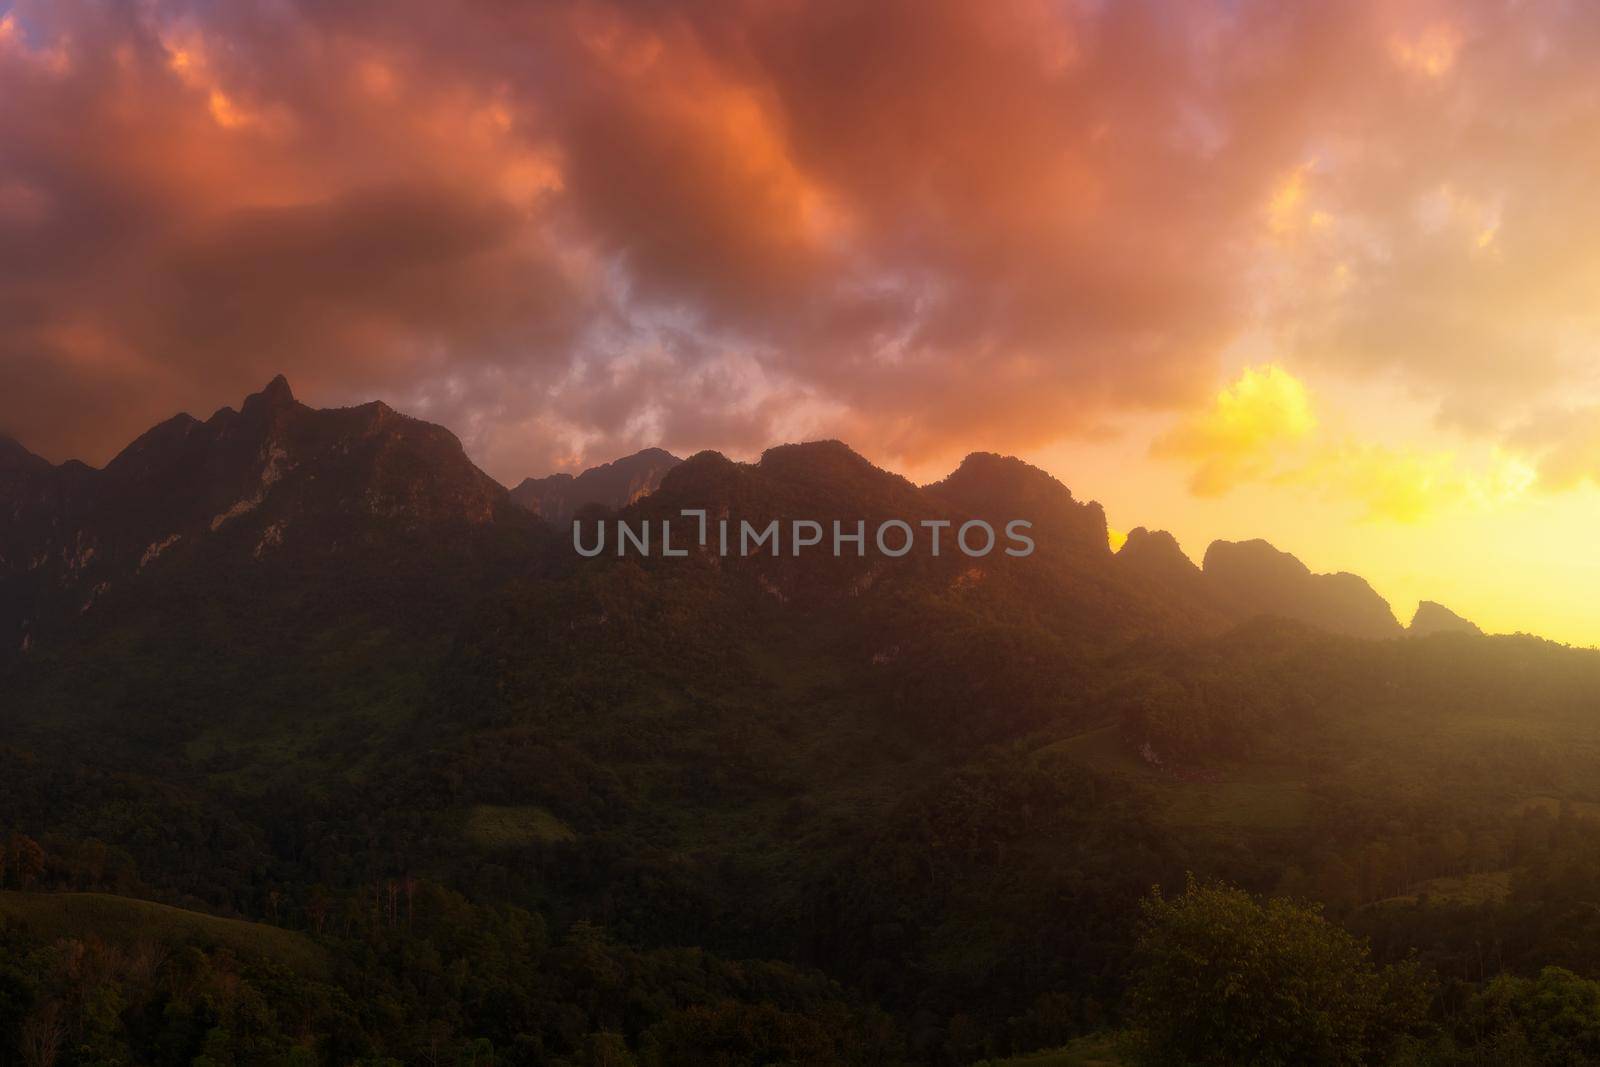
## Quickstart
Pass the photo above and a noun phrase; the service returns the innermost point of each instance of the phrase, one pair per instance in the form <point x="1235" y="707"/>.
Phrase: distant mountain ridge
<point x="558" y="497"/>
<point x="276" y="471"/>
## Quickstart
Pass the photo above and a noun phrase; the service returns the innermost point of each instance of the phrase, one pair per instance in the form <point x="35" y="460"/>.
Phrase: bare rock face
<point x="1253" y="578"/>
<point x="558" y="497"/>
<point x="1432" y="618"/>
<point x="258" y="476"/>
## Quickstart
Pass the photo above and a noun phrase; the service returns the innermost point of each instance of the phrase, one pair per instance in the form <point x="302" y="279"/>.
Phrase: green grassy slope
<point x="123" y="920"/>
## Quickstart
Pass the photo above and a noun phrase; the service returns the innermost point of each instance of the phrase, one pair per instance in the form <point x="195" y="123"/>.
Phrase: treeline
<point x="436" y="980"/>
<point x="1223" y="979"/>
<point x="1216" y="977"/>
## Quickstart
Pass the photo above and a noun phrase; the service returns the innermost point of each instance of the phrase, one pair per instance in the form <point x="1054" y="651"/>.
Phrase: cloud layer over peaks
<point x="570" y="229"/>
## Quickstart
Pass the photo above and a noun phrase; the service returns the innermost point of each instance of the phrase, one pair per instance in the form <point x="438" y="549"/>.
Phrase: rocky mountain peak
<point x="1156" y="546"/>
<point x="1254" y="578"/>
<point x="1156" y="554"/>
<point x="1252" y="561"/>
<point x="247" y="483"/>
<point x="1001" y="488"/>
<point x="832" y="465"/>
<point x="274" y="396"/>
<point x="1433" y="618"/>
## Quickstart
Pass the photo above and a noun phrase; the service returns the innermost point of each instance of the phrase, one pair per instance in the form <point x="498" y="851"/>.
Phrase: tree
<point x="25" y="859"/>
<point x="42" y="1035"/>
<point x="318" y="907"/>
<point x="1552" y="1019"/>
<point x="1225" y="979"/>
<point x="603" y="1049"/>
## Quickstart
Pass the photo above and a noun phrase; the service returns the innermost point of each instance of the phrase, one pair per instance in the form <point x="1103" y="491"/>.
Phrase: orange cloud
<point x="919" y="224"/>
<point x="1431" y="52"/>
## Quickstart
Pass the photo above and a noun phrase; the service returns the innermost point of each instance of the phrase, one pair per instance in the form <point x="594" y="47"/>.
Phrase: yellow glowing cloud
<point x="1409" y="485"/>
<point x="1263" y="428"/>
<point x="1239" y="436"/>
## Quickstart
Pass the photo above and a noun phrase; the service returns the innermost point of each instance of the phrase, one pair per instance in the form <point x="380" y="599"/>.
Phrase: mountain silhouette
<point x="1433" y="618"/>
<point x="1153" y="561"/>
<point x="271" y="474"/>
<point x="1001" y="488"/>
<point x="277" y="475"/>
<point x="1254" y="578"/>
<point x="558" y="497"/>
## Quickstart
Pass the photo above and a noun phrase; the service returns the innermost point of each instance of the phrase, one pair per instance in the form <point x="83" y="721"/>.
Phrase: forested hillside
<point x="409" y="780"/>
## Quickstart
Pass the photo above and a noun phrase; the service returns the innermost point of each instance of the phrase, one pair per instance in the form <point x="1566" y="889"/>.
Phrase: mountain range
<point x="316" y="670"/>
<point x="277" y="472"/>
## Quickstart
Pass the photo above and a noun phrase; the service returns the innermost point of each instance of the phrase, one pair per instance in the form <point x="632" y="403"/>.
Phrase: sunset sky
<point x="1324" y="273"/>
